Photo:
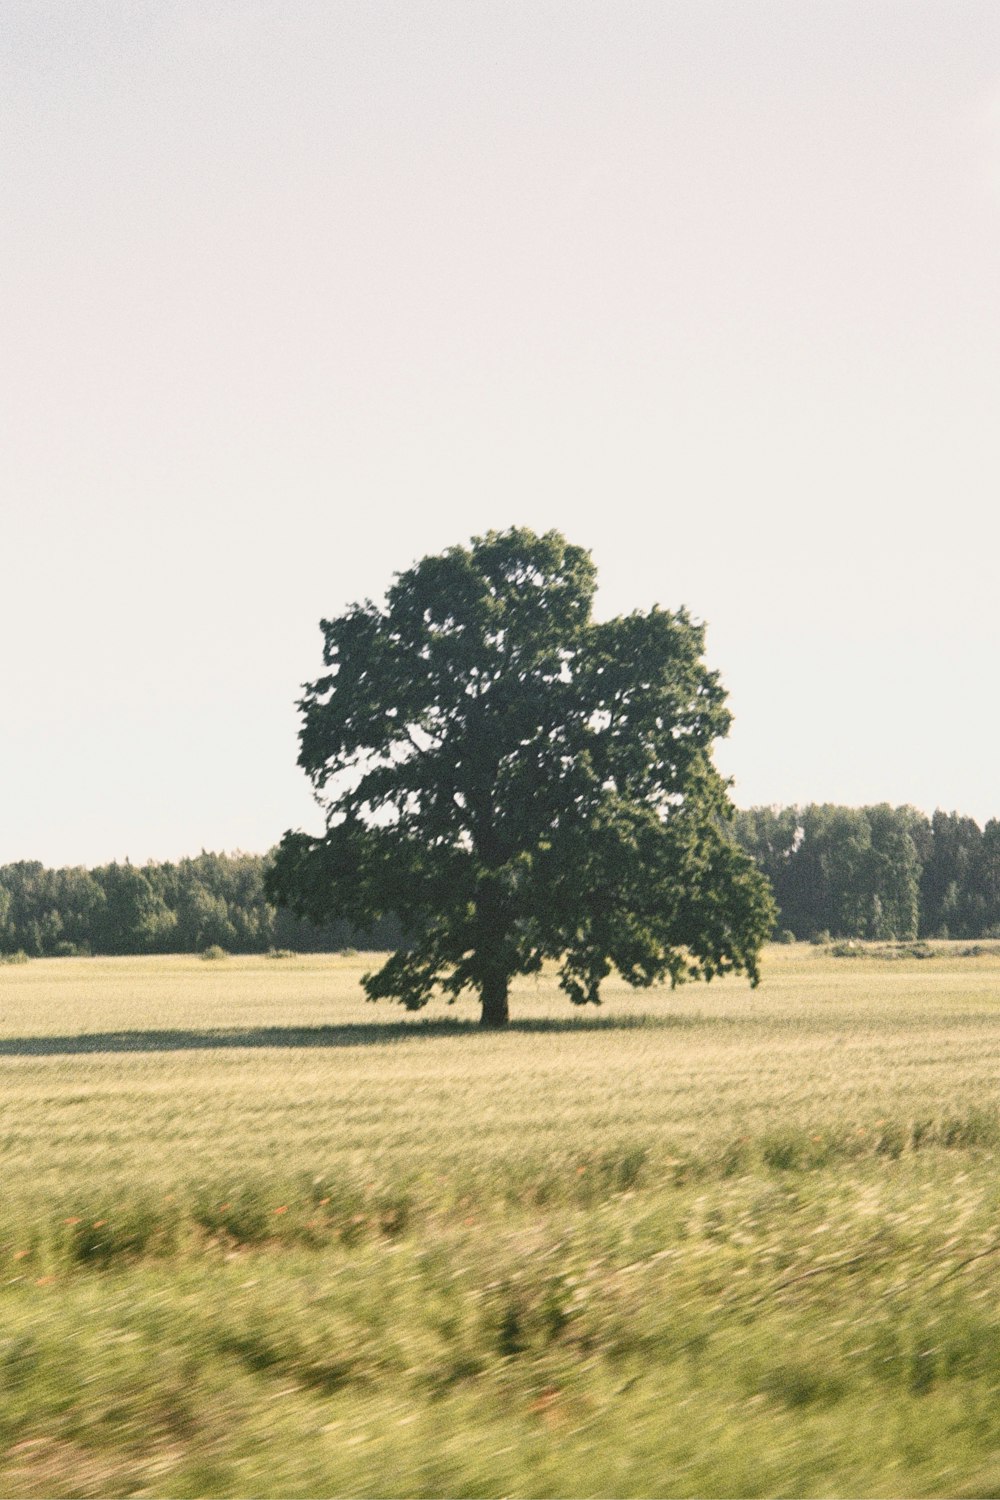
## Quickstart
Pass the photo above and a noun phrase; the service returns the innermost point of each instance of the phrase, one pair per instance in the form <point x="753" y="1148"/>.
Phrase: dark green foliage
<point x="220" y="898"/>
<point x="517" y="782"/>
<point x="212" y="900"/>
<point x="133" y="913"/>
<point x="879" y="873"/>
<point x="40" y="908"/>
<point x="960" y="882"/>
<point x="855" y="873"/>
<point x="120" y="1231"/>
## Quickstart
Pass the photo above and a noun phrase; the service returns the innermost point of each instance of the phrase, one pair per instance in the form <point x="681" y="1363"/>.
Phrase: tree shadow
<point x="346" y="1034"/>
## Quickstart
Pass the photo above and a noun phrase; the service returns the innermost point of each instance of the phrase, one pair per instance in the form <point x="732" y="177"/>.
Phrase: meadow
<point x="260" y="1237"/>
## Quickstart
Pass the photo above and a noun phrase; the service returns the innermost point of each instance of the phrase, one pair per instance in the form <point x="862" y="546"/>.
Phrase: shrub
<point x="786" y="935"/>
<point x="20" y="957"/>
<point x="122" y="1232"/>
<point x="916" y="950"/>
<point x="887" y="952"/>
<point x="244" y="1215"/>
<point x="213" y="952"/>
<point x="281" y="953"/>
<point x="848" y="949"/>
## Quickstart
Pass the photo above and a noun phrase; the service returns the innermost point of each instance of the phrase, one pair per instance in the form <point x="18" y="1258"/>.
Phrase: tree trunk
<point x="494" y="997"/>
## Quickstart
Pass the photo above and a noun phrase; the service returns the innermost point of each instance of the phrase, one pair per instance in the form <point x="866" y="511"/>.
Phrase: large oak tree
<point x="520" y="782"/>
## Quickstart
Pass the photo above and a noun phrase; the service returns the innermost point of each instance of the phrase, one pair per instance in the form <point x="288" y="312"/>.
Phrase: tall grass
<point x="259" y="1237"/>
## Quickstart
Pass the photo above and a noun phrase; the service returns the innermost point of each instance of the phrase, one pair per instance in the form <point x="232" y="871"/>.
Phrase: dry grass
<point x="260" y="1237"/>
<point x="169" y="1067"/>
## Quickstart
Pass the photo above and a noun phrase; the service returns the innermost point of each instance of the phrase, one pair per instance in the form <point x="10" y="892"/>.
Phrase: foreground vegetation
<point x="260" y="1238"/>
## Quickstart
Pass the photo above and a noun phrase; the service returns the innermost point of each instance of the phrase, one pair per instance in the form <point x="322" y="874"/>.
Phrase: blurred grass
<point x="258" y="1237"/>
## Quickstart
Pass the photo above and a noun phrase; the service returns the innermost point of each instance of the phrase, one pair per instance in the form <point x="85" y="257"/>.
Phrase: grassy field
<point x="260" y="1238"/>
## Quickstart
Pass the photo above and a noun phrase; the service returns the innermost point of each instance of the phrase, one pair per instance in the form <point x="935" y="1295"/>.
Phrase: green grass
<point x="259" y="1237"/>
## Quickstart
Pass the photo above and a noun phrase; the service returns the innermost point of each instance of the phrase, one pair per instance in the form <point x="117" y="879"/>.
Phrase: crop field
<point x="258" y="1237"/>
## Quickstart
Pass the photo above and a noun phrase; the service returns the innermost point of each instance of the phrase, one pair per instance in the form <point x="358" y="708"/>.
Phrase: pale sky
<point x="297" y="291"/>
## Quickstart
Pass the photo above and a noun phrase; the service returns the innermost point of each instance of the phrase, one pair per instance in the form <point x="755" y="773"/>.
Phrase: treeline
<point x="880" y="872"/>
<point x="212" y="900"/>
<point x="877" y="872"/>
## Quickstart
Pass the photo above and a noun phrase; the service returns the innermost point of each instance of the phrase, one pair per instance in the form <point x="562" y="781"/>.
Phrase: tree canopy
<point x="846" y="871"/>
<point x="518" y="781"/>
<point x="212" y="899"/>
<point x="876" y="872"/>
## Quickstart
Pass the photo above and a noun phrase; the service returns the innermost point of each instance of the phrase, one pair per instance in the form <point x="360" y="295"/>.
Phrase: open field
<point x="258" y="1237"/>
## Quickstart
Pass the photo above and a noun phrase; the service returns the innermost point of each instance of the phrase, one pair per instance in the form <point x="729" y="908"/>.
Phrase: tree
<point x="851" y="871"/>
<point x="892" y="872"/>
<point x="519" y="782"/>
<point x="950" y="898"/>
<point x="771" y="836"/>
<point x="989" y="879"/>
<point x="135" y="917"/>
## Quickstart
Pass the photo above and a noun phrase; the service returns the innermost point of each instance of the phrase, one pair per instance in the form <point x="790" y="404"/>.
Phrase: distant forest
<point x="876" y="872"/>
<point x="871" y="872"/>
<point x="211" y="900"/>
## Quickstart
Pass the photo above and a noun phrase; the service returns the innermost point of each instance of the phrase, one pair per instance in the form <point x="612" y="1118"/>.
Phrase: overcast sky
<point x="297" y="291"/>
